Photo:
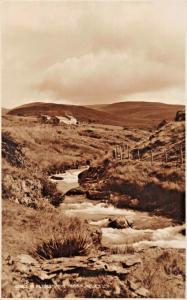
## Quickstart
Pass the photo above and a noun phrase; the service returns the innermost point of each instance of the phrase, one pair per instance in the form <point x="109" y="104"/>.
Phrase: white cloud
<point x="108" y="76"/>
<point x="92" y="50"/>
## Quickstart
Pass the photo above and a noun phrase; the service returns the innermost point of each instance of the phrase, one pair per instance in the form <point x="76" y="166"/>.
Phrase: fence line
<point x="119" y="153"/>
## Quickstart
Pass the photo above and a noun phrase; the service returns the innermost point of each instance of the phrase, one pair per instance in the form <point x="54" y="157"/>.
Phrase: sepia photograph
<point x="93" y="149"/>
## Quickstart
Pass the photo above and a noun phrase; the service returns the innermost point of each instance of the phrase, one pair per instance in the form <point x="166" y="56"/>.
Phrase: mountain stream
<point x="147" y="230"/>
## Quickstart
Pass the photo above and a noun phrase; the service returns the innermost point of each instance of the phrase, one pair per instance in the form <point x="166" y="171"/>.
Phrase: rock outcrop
<point x="180" y="115"/>
<point x="12" y="151"/>
<point x="61" y="271"/>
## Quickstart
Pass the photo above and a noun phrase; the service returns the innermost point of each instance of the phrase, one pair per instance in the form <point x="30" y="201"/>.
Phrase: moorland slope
<point x="137" y="114"/>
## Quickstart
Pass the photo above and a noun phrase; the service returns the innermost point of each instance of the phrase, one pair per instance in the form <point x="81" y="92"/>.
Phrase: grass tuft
<point x="65" y="238"/>
<point x="71" y="244"/>
<point x="122" y="249"/>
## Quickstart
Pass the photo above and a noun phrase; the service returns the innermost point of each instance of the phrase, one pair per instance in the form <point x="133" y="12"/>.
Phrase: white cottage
<point x="68" y="120"/>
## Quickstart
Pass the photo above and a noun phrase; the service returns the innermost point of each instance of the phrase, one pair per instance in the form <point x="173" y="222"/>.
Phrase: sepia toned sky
<point x="90" y="52"/>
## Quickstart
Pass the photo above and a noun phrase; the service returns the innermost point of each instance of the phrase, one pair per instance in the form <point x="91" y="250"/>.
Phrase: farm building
<point x="69" y="120"/>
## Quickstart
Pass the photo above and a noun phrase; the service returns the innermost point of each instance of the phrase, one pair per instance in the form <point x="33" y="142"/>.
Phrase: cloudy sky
<point x="85" y="52"/>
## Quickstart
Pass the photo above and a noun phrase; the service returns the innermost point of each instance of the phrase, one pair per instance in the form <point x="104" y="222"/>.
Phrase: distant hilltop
<point x="135" y="114"/>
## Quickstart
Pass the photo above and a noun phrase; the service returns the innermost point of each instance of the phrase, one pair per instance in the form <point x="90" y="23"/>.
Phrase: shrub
<point x="12" y="151"/>
<point x="6" y="191"/>
<point x="50" y="191"/>
<point x="44" y="204"/>
<point x="70" y="244"/>
<point x="64" y="238"/>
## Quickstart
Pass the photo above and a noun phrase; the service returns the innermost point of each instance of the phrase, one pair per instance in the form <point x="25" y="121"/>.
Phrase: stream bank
<point x="147" y="231"/>
<point x="139" y="186"/>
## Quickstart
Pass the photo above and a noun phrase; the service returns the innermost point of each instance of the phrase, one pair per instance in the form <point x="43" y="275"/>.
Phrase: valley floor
<point x="84" y="244"/>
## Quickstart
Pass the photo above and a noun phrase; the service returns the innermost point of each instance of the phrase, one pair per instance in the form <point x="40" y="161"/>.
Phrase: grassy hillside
<point x="140" y="113"/>
<point x="156" y="186"/>
<point x="80" y="112"/>
<point x="166" y="143"/>
<point x="45" y="149"/>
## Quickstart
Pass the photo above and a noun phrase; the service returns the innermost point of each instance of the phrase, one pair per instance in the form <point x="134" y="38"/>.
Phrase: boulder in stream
<point x="54" y="177"/>
<point x="120" y="222"/>
<point x="97" y="195"/>
<point x="75" y="191"/>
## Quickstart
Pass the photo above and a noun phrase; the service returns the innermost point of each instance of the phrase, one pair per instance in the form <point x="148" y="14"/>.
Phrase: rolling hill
<point x="140" y="112"/>
<point x="79" y="112"/>
<point x="136" y="114"/>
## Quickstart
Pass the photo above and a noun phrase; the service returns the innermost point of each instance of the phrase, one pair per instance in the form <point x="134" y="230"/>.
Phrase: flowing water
<point x="147" y="230"/>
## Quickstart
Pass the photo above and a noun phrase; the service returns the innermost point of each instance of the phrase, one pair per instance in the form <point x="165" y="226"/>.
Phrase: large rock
<point x="25" y="263"/>
<point x="183" y="231"/>
<point x="101" y="264"/>
<point x="131" y="261"/>
<point x="21" y="268"/>
<point x="97" y="195"/>
<point x="26" y="260"/>
<point x="94" y="174"/>
<point x="75" y="191"/>
<point x="120" y="222"/>
<point x="180" y="115"/>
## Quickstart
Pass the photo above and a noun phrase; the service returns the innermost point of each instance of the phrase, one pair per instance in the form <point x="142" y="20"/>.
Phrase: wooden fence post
<point x="123" y="149"/>
<point x="118" y="152"/>
<point x="128" y="152"/>
<point x="181" y="155"/>
<point x="121" y="153"/>
<point x="138" y="154"/>
<point x="151" y="157"/>
<point x="166" y="156"/>
<point x="114" y="153"/>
